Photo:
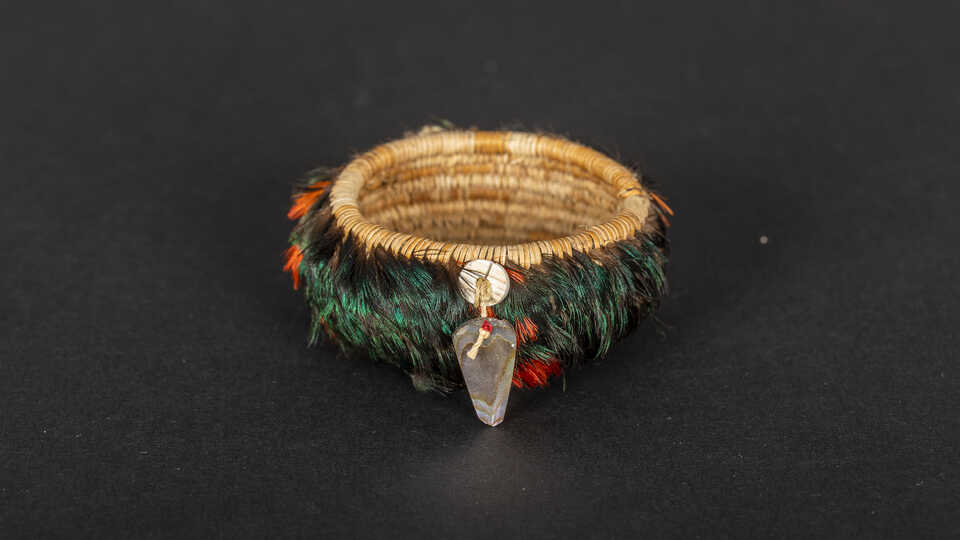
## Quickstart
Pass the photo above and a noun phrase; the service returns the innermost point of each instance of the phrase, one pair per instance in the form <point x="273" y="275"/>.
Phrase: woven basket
<point x="380" y="249"/>
<point x="503" y="196"/>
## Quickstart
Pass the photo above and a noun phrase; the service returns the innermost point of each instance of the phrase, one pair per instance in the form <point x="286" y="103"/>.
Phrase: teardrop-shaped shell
<point x="489" y="374"/>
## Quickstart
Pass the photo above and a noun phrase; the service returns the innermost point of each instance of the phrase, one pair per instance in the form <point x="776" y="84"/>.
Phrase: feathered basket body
<point x="379" y="243"/>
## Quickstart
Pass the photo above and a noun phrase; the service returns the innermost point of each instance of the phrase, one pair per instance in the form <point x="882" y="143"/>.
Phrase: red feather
<point x="536" y="373"/>
<point x="303" y="201"/>
<point x="294" y="258"/>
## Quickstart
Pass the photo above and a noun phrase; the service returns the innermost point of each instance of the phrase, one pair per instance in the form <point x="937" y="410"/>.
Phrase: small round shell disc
<point x="482" y="268"/>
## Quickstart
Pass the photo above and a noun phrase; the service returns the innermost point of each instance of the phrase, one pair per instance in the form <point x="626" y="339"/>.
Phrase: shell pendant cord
<point x="379" y="245"/>
<point x="480" y="301"/>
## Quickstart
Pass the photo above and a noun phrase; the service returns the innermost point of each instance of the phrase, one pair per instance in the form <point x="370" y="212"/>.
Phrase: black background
<point x="154" y="378"/>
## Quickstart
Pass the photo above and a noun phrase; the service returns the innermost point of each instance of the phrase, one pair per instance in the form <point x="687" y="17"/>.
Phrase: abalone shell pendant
<point x="487" y="366"/>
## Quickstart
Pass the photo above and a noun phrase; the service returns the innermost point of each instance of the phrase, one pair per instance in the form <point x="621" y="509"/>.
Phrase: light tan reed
<point x="505" y="196"/>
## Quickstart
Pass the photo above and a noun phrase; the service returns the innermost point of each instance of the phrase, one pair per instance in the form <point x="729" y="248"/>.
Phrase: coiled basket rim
<point x="629" y="217"/>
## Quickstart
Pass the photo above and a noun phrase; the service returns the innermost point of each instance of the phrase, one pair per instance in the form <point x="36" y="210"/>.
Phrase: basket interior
<point x="487" y="198"/>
